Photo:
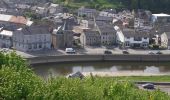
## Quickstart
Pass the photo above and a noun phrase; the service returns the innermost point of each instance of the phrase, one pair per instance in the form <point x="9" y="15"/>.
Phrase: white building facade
<point x="32" y="39"/>
<point x="6" y="39"/>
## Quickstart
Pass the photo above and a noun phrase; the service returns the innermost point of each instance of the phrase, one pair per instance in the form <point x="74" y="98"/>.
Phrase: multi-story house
<point x="108" y="35"/>
<point x="135" y="39"/>
<point x="129" y="38"/>
<point x="5" y="38"/>
<point x="161" y="18"/>
<point x="13" y="22"/>
<point x="62" y="37"/>
<point x="32" y="38"/>
<point x="90" y="37"/>
<point x="87" y="23"/>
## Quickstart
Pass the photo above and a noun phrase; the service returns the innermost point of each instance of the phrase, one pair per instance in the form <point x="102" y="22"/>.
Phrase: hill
<point x="156" y="6"/>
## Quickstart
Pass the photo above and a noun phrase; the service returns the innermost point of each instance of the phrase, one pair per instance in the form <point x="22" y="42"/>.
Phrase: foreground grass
<point x="18" y="82"/>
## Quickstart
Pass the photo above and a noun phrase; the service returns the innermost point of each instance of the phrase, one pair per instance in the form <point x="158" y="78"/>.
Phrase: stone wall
<point x="75" y="58"/>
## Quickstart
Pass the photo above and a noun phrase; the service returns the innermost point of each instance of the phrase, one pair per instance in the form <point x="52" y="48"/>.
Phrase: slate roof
<point x="87" y="10"/>
<point x="104" y="18"/>
<point x="133" y="33"/>
<point x="35" y="30"/>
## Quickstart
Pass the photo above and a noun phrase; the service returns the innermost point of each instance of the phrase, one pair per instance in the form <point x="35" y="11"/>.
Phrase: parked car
<point x="70" y="50"/>
<point x="159" y="52"/>
<point x="107" y="52"/>
<point x="125" y="52"/>
<point x="148" y="86"/>
<point x="152" y="53"/>
<point x="155" y="52"/>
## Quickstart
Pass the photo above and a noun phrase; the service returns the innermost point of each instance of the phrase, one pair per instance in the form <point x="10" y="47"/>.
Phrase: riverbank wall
<point x="78" y="58"/>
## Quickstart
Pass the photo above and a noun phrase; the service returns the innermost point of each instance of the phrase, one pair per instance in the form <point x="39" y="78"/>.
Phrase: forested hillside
<point x="155" y="6"/>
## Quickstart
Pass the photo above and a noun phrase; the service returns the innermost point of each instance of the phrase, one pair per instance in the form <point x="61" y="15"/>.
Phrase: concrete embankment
<point x="75" y="58"/>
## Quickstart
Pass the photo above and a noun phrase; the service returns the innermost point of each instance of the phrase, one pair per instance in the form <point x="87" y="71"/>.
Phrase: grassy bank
<point x="18" y="82"/>
<point x="145" y="78"/>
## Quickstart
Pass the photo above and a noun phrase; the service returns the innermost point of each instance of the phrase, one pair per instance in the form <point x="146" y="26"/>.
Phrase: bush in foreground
<point x="18" y="82"/>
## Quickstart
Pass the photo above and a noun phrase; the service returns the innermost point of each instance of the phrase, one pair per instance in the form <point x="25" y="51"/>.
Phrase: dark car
<point x="148" y="86"/>
<point x="159" y="52"/>
<point x="125" y="52"/>
<point x="107" y="52"/>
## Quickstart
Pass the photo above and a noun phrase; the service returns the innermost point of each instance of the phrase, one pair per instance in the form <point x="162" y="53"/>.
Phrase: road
<point x="163" y="88"/>
<point x="86" y="50"/>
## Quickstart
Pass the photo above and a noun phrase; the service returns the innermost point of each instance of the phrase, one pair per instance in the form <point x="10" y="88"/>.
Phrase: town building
<point x="13" y="22"/>
<point x="136" y="39"/>
<point x="108" y="13"/>
<point x="87" y="23"/>
<point x="130" y="38"/>
<point x="165" y="40"/>
<point x="5" y="38"/>
<point x="62" y="37"/>
<point x="55" y="9"/>
<point x="161" y="18"/>
<point x="86" y="12"/>
<point x="90" y="37"/>
<point x="108" y="35"/>
<point x="104" y="19"/>
<point x="32" y="38"/>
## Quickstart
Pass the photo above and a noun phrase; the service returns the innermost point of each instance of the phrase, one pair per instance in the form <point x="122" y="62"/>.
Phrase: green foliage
<point x="155" y="6"/>
<point x="31" y="15"/>
<point x="18" y="82"/>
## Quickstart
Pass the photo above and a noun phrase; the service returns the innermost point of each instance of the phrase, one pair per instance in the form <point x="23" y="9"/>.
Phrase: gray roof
<point x="101" y="23"/>
<point x="133" y="33"/>
<point x="87" y="10"/>
<point x="107" y="29"/>
<point x="35" y="30"/>
<point x="104" y="18"/>
<point x="91" y="33"/>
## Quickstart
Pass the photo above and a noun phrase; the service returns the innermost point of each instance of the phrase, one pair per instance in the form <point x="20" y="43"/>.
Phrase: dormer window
<point x="145" y="38"/>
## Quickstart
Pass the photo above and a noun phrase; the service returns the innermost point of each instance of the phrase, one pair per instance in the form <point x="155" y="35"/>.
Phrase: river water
<point x="114" y="68"/>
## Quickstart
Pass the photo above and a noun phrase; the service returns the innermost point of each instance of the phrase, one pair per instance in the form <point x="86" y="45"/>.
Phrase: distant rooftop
<point x="15" y="19"/>
<point x="6" y="33"/>
<point x="161" y="15"/>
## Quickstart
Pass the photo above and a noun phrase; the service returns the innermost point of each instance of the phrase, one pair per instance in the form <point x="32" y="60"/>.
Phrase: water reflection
<point x="131" y="67"/>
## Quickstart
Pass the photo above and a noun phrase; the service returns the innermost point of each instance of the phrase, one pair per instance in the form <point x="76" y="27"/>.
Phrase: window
<point x="128" y="37"/>
<point x="44" y="37"/>
<point x="40" y="46"/>
<point x="127" y="44"/>
<point x="137" y="38"/>
<point x="145" y="38"/>
<point x="145" y="44"/>
<point x="35" y="46"/>
<point x="29" y="46"/>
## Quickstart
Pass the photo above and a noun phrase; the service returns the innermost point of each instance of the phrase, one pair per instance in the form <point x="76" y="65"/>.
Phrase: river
<point x="113" y="68"/>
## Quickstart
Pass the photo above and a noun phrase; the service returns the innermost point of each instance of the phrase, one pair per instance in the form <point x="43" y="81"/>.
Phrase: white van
<point x="70" y="50"/>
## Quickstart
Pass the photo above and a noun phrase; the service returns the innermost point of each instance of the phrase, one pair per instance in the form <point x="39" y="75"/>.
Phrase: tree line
<point x="156" y="6"/>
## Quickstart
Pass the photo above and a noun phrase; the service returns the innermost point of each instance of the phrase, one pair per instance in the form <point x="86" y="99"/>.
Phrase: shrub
<point x="18" y="82"/>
